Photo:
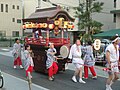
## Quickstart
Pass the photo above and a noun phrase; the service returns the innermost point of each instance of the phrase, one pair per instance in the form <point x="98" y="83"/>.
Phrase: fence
<point x="9" y="41"/>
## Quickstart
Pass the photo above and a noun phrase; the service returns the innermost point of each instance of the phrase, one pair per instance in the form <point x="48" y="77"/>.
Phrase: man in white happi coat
<point x="75" y="55"/>
<point x="112" y="56"/>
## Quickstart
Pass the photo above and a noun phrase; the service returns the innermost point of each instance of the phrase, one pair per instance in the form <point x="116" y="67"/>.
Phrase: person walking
<point x="75" y="55"/>
<point x="28" y="61"/>
<point x="112" y="57"/>
<point x="51" y="63"/>
<point x="17" y="53"/>
<point x="89" y="61"/>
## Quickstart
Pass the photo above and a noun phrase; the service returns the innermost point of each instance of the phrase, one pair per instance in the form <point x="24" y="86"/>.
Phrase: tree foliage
<point x="84" y="13"/>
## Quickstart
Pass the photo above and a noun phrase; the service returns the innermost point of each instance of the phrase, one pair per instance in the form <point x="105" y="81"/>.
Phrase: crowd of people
<point x="76" y="50"/>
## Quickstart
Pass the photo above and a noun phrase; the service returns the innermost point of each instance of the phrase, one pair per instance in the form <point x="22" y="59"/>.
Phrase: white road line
<point x="4" y="49"/>
<point x="40" y="87"/>
<point x="6" y="54"/>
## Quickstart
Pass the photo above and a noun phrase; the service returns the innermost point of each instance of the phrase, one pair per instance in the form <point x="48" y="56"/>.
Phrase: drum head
<point x="64" y="51"/>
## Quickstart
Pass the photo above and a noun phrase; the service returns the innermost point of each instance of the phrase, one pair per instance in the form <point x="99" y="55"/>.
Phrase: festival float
<point x="49" y="25"/>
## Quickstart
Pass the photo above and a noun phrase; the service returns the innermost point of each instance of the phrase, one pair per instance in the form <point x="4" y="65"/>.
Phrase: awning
<point x="108" y="34"/>
<point x="115" y="11"/>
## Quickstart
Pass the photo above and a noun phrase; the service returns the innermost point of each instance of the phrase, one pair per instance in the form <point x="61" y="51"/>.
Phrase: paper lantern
<point x="51" y="26"/>
<point x="69" y="26"/>
<point x="44" y="25"/>
<point x="39" y="25"/>
<point x="24" y="26"/>
<point x="57" y="22"/>
<point x="27" y="25"/>
<point x="33" y="25"/>
<point x="97" y="44"/>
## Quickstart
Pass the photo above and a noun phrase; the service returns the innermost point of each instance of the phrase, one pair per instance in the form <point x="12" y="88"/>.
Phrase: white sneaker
<point x="81" y="81"/>
<point x="21" y="66"/>
<point x="108" y="87"/>
<point x="14" y="67"/>
<point x="111" y="83"/>
<point x="74" y="79"/>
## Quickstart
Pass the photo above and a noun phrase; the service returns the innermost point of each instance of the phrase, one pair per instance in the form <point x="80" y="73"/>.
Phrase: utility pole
<point x="79" y="17"/>
<point x="23" y="13"/>
<point x="39" y="3"/>
<point x="23" y="9"/>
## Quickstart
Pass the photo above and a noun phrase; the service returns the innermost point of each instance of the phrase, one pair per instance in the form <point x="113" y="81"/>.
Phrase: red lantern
<point x="38" y="25"/>
<point x="73" y="26"/>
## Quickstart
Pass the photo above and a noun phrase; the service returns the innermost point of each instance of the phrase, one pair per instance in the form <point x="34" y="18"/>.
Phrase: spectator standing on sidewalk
<point x="17" y="53"/>
<point x="75" y="55"/>
<point x="89" y="61"/>
<point x="112" y="57"/>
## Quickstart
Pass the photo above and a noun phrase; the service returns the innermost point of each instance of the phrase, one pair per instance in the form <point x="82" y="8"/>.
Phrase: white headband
<point x="116" y="39"/>
<point x="50" y="44"/>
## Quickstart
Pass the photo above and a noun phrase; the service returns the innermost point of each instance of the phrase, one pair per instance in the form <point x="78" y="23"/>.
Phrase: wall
<point x="118" y="15"/>
<point x="6" y="18"/>
<point x="105" y="17"/>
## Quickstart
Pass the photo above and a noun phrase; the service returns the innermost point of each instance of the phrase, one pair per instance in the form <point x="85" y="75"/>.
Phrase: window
<point x="15" y="33"/>
<point x="114" y="3"/>
<point x="114" y="18"/>
<point x="1" y="7"/>
<point x="3" y="33"/>
<point x="17" y="7"/>
<point x="18" y="21"/>
<point x="13" y="7"/>
<point x="13" y="19"/>
<point x="6" y="10"/>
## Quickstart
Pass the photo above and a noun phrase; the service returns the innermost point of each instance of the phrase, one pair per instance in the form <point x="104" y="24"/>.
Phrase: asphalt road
<point x="62" y="79"/>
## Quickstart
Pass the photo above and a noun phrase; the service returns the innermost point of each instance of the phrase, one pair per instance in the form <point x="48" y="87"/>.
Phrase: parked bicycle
<point x="1" y="80"/>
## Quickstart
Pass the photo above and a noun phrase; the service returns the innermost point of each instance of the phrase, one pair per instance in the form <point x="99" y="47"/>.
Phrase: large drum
<point x="64" y="51"/>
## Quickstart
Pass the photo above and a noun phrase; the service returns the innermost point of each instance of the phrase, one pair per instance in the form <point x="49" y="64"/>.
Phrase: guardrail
<point x="9" y="41"/>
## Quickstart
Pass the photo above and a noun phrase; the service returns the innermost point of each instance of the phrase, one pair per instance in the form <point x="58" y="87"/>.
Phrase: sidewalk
<point x="13" y="83"/>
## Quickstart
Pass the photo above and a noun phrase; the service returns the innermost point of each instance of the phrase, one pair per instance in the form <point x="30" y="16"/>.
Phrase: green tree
<point x="84" y="13"/>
